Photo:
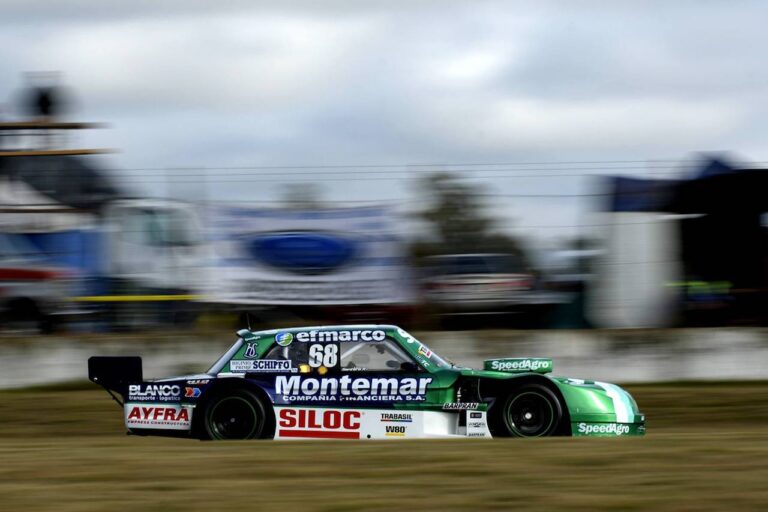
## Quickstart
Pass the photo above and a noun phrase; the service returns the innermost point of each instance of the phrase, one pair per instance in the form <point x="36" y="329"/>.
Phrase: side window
<point x="374" y="356"/>
<point x="348" y="356"/>
<point x="295" y="352"/>
<point x="313" y="354"/>
<point x="132" y="229"/>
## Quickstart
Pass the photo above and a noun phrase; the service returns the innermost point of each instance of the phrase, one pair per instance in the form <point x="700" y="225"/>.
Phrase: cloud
<point x="318" y="83"/>
<point x="522" y="123"/>
<point x="220" y="62"/>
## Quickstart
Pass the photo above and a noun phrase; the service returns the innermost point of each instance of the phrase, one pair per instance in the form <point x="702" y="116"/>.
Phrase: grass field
<point x="707" y="449"/>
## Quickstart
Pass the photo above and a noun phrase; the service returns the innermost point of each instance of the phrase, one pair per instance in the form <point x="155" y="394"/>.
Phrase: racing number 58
<point x="323" y="355"/>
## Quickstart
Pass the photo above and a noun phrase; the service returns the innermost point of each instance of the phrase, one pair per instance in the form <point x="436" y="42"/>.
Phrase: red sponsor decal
<point x="320" y="434"/>
<point x="321" y="424"/>
<point x="158" y="414"/>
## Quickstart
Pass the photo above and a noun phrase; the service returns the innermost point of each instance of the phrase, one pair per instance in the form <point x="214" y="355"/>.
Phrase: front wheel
<point x="239" y="414"/>
<point x="532" y="411"/>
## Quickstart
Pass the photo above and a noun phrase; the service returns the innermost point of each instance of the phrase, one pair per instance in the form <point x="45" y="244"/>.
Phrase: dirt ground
<point x="706" y="449"/>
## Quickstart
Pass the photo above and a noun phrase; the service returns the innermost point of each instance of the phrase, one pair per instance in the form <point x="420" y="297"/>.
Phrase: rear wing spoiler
<point x="115" y="373"/>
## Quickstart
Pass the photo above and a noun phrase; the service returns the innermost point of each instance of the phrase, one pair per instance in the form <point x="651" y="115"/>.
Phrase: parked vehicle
<point x="33" y="291"/>
<point x="122" y="264"/>
<point x="476" y="283"/>
<point x="469" y="285"/>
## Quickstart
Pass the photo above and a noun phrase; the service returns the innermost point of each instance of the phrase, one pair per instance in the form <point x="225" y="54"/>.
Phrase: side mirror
<point x="409" y="367"/>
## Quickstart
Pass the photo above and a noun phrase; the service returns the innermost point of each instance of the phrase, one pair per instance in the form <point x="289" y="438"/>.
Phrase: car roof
<point x="341" y="327"/>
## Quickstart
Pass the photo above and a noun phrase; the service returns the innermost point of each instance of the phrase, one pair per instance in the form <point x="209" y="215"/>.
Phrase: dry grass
<point x="706" y="450"/>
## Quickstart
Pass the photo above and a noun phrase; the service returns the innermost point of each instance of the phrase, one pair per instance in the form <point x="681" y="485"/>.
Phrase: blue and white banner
<point x="339" y="256"/>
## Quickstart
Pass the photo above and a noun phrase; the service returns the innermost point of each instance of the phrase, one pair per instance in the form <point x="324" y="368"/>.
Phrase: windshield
<point x="224" y="359"/>
<point x="425" y="350"/>
<point x="160" y="227"/>
<point x="439" y="361"/>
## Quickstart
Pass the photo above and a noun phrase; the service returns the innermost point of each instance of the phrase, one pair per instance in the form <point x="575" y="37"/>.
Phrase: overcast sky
<point x="195" y="83"/>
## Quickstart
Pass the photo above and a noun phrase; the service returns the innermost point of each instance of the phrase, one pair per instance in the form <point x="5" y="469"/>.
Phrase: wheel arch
<point x="223" y="386"/>
<point x="493" y="390"/>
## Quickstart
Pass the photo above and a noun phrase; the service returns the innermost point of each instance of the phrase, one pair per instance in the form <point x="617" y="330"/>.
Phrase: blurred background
<point x="585" y="183"/>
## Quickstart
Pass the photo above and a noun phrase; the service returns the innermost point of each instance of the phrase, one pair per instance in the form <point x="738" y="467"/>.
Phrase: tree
<point x="306" y="196"/>
<point x="458" y="220"/>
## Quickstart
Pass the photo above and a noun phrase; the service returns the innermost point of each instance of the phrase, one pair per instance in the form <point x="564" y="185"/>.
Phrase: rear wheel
<point x="532" y="411"/>
<point x="239" y="414"/>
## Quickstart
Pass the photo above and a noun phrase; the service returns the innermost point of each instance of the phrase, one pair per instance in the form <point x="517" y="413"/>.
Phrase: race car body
<point x="362" y="382"/>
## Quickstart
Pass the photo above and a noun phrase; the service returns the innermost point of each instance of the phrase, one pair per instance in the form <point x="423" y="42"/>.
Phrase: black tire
<point x="531" y="411"/>
<point x="236" y="414"/>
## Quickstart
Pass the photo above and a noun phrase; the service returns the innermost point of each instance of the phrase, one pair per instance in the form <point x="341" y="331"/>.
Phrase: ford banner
<point x="341" y="256"/>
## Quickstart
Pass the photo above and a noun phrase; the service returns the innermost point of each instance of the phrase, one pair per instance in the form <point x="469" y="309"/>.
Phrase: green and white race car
<point x="362" y="382"/>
